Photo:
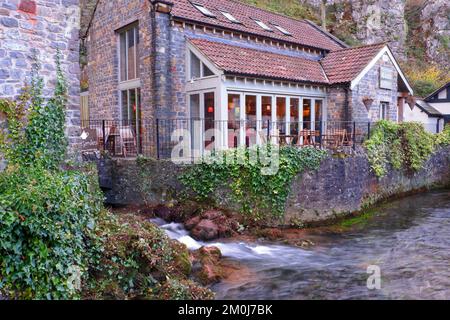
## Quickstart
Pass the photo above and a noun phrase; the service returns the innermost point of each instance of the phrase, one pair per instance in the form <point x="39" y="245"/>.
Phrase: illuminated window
<point x="204" y="10"/>
<point x="263" y="25"/>
<point x="230" y="17"/>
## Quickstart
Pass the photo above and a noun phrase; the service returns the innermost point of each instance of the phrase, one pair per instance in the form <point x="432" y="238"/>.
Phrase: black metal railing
<point x="193" y="137"/>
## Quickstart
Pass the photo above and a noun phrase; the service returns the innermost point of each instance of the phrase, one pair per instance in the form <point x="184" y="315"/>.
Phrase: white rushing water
<point x="236" y="250"/>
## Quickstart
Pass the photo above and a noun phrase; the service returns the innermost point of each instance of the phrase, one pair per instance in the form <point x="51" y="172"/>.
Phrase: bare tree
<point x="323" y="13"/>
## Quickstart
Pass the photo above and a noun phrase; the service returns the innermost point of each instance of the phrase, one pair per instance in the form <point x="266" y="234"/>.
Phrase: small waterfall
<point x="236" y="250"/>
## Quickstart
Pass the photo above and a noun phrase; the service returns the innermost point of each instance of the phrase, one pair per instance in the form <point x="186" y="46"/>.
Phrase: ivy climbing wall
<point x="39" y="28"/>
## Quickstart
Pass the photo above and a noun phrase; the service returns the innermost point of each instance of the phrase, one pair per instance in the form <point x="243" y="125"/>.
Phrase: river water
<point x="408" y="239"/>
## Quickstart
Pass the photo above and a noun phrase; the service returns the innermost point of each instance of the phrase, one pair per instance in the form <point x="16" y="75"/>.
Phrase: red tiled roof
<point x="344" y="65"/>
<point x="252" y="62"/>
<point x="303" y="32"/>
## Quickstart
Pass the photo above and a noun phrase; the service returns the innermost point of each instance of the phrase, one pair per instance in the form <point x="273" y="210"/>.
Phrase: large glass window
<point x="294" y="116"/>
<point x="307" y="114"/>
<point x="266" y="111"/>
<point x="129" y="41"/>
<point x="234" y="114"/>
<point x="281" y="115"/>
<point x="131" y="115"/>
<point x="198" y="69"/>
<point x="251" y="119"/>
<point x="202" y="110"/>
<point x="209" y="101"/>
<point x="318" y="111"/>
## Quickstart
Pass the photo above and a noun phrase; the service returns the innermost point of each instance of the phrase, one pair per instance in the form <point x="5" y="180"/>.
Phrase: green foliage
<point x="443" y="138"/>
<point x="255" y="192"/>
<point x="139" y="261"/>
<point x="47" y="215"/>
<point x="36" y="128"/>
<point x="403" y="146"/>
<point x="291" y="8"/>
<point x="46" y="223"/>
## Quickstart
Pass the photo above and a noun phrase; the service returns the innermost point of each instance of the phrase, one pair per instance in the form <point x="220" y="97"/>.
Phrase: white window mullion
<point x="126" y="56"/>
<point x="135" y="52"/>
<point x="259" y="123"/>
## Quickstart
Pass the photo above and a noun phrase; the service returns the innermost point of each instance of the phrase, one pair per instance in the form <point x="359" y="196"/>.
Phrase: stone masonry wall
<point x="103" y="59"/>
<point x="340" y="186"/>
<point x="336" y="103"/>
<point x="343" y="186"/>
<point x="369" y="86"/>
<point x="162" y="59"/>
<point x="41" y="26"/>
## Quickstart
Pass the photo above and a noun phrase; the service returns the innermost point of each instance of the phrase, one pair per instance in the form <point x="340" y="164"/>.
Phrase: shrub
<point x="443" y="138"/>
<point x="47" y="214"/>
<point x="407" y="145"/>
<point x="139" y="261"/>
<point x="46" y="223"/>
<point x="255" y="192"/>
<point x="36" y="127"/>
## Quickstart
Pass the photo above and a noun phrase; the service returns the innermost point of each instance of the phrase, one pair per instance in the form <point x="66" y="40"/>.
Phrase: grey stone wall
<point x="341" y="186"/>
<point x="369" y="86"/>
<point x="103" y="59"/>
<point x="346" y="185"/>
<point x="42" y="26"/>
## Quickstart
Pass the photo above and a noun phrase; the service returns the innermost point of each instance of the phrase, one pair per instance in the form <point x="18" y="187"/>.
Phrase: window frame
<point x="203" y="65"/>
<point x="263" y="25"/>
<point x="204" y="10"/>
<point x="282" y="30"/>
<point x="386" y="109"/>
<point x="125" y="30"/>
<point x="230" y="17"/>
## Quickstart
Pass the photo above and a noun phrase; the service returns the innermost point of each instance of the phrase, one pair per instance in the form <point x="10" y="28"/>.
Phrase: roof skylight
<point x="282" y="30"/>
<point x="204" y="10"/>
<point x="263" y="25"/>
<point x="230" y="17"/>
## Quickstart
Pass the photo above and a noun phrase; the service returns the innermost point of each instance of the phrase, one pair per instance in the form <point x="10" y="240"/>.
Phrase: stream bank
<point x="406" y="238"/>
<point x="343" y="184"/>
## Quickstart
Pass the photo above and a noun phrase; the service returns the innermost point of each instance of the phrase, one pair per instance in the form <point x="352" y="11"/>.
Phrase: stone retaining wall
<point x="341" y="186"/>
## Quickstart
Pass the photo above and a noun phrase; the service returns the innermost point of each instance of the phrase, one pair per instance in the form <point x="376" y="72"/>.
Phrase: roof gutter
<point x="240" y="74"/>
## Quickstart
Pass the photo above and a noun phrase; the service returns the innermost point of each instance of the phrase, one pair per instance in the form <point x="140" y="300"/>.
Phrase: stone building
<point x="41" y="26"/>
<point x="224" y="61"/>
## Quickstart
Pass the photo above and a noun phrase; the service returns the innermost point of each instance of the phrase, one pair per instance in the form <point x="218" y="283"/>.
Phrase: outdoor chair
<point x="127" y="141"/>
<point x="99" y="131"/>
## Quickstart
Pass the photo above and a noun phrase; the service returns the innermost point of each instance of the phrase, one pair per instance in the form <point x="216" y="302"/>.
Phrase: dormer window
<point x="230" y="17"/>
<point x="263" y="25"/>
<point x="282" y="30"/>
<point x="204" y="10"/>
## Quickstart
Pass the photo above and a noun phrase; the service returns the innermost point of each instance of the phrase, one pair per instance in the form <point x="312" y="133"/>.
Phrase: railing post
<point x="320" y="133"/>
<point x="104" y="134"/>
<point x="158" y="155"/>
<point x="354" y="135"/>
<point x="268" y="131"/>
<point x="368" y="130"/>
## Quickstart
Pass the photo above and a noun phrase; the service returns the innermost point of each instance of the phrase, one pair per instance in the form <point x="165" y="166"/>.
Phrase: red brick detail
<point x="28" y="6"/>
